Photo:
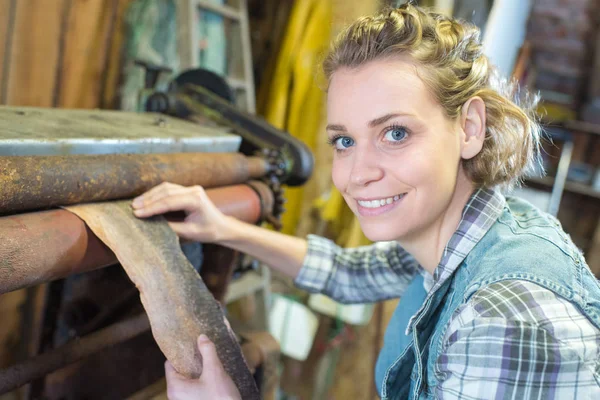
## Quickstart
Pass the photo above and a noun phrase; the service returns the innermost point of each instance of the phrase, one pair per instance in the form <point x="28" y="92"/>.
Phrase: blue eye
<point x="395" y="134"/>
<point x="343" y="142"/>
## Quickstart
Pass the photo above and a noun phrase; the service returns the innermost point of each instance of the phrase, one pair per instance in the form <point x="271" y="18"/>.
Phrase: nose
<point x="365" y="168"/>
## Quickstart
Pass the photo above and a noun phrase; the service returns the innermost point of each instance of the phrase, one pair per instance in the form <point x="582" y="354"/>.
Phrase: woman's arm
<point x="365" y="274"/>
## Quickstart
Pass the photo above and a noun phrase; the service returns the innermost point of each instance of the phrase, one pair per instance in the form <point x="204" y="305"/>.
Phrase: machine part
<point x="48" y="323"/>
<point x="255" y="132"/>
<point x="33" y="183"/>
<point x="266" y="354"/>
<point x="45" y="246"/>
<point x="217" y="269"/>
<point x="207" y="79"/>
<point x="106" y="313"/>
<point x="19" y="374"/>
<point x="178" y="303"/>
<point x="275" y="208"/>
<point x="31" y="131"/>
<point x="152" y="73"/>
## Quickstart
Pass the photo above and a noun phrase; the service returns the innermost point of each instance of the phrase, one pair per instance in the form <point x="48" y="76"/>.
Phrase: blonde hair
<point x="454" y="69"/>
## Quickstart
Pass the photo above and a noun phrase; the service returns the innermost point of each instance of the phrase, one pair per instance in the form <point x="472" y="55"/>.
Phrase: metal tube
<point x="41" y="182"/>
<point x="18" y="375"/>
<point x="44" y="246"/>
<point x="561" y="177"/>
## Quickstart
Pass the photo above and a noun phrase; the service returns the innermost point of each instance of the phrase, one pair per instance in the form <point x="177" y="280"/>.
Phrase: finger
<point x="157" y="192"/>
<point x="185" y="230"/>
<point x="211" y="364"/>
<point x="178" y="386"/>
<point x="171" y="374"/>
<point x="184" y="201"/>
<point x="149" y="193"/>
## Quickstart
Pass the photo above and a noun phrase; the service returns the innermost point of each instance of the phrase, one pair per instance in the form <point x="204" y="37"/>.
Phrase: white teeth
<point x="379" y="203"/>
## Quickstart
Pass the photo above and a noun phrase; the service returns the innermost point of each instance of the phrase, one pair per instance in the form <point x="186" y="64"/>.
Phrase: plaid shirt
<point x="511" y="340"/>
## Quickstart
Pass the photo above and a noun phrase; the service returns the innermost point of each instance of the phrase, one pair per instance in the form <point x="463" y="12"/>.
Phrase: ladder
<point x="239" y="73"/>
<point x="239" y="76"/>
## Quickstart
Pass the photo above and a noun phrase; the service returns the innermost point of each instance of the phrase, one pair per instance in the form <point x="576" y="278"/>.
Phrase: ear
<point x="473" y="124"/>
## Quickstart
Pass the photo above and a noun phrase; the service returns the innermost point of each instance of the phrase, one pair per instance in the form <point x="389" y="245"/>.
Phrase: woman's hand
<point x="203" y="221"/>
<point x="214" y="383"/>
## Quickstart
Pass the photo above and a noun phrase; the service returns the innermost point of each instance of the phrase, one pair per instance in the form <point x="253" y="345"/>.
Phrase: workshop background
<point x="83" y="53"/>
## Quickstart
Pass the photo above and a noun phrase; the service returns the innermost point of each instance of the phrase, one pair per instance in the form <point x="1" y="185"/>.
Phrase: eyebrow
<point x="382" y="120"/>
<point x="335" y="127"/>
<point x="373" y="123"/>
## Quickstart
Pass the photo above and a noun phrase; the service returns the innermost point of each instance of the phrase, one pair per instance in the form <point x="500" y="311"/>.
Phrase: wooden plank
<point x="115" y="54"/>
<point x="34" y="52"/>
<point x="187" y="46"/>
<point x="573" y="187"/>
<point x="6" y="9"/>
<point x="85" y="51"/>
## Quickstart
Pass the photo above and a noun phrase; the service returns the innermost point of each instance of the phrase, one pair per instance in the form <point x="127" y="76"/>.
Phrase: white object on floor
<point x="354" y="314"/>
<point x="293" y="325"/>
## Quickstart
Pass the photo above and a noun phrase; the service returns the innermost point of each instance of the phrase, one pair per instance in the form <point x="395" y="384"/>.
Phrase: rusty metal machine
<point x="85" y="335"/>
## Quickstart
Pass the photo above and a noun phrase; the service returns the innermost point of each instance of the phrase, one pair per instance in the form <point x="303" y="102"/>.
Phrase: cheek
<point x="414" y="168"/>
<point x="339" y="175"/>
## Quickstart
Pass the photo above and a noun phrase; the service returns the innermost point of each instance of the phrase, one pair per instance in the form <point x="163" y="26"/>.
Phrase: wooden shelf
<point x="583" y="127"/>
<point x="572" y="187"/>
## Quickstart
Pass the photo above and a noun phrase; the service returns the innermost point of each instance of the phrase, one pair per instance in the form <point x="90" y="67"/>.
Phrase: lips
<point x="377" y="203"/>
<point x="375" y="207"/>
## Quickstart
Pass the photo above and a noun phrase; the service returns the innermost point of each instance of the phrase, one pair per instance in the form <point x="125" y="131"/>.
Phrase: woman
<point x="496" y="301"/>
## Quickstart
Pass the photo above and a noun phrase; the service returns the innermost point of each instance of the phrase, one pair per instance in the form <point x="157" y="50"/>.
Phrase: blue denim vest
<point x="523" y="244"/>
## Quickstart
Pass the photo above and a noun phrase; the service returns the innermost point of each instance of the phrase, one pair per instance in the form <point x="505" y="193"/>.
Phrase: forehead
<point x="376" y="88"/>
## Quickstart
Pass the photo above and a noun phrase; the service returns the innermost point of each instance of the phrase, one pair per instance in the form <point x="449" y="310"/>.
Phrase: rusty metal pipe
<point x="43" y="246"/>
<point x="18" y="375"/>
<point x="42" y="182"/>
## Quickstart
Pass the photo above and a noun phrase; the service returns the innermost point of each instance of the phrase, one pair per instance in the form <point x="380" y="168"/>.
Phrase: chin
<point x="381" y="232"/>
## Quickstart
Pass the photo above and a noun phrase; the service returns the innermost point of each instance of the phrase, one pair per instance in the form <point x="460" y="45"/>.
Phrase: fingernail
<point x="203" y="338"/>
<point x="137" y="202"/>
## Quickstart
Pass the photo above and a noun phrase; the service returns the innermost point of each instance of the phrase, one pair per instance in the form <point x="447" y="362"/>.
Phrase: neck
<point x="437" y="235"/>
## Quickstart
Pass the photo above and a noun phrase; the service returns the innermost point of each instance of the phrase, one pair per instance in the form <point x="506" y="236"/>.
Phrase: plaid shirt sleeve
<point x="359" y="275"/>
<point x="517" y="340"/>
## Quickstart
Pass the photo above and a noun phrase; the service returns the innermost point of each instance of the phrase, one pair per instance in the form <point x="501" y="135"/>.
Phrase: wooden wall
<point x="55" y="53"/>
<point x="60" y="53"/>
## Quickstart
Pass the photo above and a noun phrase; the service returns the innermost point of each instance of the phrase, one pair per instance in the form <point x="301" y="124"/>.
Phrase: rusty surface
<point x="34" y="183"/>
<point x="43" y="246"/>
<point x="39" y="366"/>
<point x="40" y="247"/>
<point x="242" y="202"/>
<point x="178" y="304"/>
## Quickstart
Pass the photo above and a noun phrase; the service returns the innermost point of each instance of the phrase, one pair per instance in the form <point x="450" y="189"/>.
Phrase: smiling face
<point x="397" y="156"/>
